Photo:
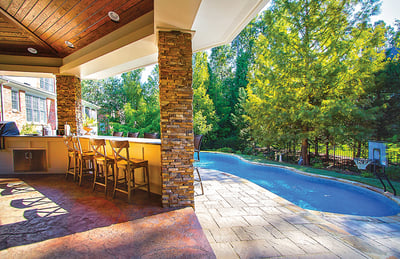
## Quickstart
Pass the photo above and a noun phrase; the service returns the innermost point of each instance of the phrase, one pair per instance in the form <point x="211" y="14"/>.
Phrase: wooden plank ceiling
<point x="46" y="25"/>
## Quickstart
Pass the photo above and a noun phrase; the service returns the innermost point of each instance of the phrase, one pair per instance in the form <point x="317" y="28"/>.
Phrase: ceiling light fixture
<point x="113" y="16"/>
<point x="69" y="44"/>
<point x="32" y="50"/>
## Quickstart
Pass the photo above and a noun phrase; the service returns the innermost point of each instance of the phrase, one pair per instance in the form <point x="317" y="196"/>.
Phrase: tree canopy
<point x="315" y="63"/>
<point x="301" y="71"/>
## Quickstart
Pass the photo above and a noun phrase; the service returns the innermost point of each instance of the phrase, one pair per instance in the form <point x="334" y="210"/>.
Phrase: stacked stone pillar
<point x="176" y="98"/>
<point x="69" y="105"/>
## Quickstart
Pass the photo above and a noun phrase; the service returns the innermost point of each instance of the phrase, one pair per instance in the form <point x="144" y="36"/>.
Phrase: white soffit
<point x="122" y="60"/>
<point x="218" y="22"/>
<point x="175" y="14"/>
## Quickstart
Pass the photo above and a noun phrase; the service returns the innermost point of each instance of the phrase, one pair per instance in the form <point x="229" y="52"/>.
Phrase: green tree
<point x="108" y="94"/>
<point x="241" y="122"/>
<point x="221" y="67"/>
<point x="204" y="117"/>
<point x="386" y="95"/>
<point x="132" y="87"/>
<point x="126" y="103"/>
<point x="315" y="62"/>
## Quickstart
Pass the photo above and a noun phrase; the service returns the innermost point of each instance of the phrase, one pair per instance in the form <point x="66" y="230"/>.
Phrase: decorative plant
<point x="28" y="128"/>
<point x="89" y="121"/>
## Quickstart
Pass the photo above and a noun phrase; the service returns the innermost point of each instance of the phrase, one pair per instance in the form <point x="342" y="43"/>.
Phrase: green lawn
<point x="370" y="181"/>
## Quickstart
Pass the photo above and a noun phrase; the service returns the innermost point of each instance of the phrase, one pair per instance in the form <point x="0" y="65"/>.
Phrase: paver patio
<point x="243" y="220"/>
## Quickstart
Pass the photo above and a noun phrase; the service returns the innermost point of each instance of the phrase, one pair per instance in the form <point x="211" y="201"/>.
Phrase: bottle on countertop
<point x="67" y="129"/>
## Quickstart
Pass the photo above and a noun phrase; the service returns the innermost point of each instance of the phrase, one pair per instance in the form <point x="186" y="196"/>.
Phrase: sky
<point x="390" y="10"/>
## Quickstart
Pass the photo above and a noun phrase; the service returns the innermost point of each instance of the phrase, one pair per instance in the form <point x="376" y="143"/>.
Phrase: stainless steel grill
<point x="7" y="128"/>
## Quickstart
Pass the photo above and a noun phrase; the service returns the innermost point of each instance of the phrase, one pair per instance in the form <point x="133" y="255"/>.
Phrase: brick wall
<point x="69" y="102"/>
<point x="19" y="116"/>
<point x="176" y="97"/>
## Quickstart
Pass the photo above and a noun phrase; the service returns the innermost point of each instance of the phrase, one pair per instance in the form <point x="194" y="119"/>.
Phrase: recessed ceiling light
<point x="32" y="50"/>
<point x="69" y="44"/>
<point x="113" y="16"/>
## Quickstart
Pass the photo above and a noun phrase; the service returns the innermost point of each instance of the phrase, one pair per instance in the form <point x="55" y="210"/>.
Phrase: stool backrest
<point x="197" y="145"/>
<point x="120" y="149"/>
<point x="197" y="142"/>
<point x="68" y="143"/>
<point x="118" y="134"/>
<point x="98" y="146"/>
<point x="77" y="145"/>
<point x="133" y="134"/>
<point x="150" y="135"/>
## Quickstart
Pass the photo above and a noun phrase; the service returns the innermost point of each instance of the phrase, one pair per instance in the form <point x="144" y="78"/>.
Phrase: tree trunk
<point x="304" y="152"/>
<point x="316" y="147"/>
<point x="359" y="149"/>
<point x="327" y="151"/>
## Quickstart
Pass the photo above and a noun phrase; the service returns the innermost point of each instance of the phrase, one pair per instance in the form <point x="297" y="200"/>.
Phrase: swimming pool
<point x="308" y="192"/>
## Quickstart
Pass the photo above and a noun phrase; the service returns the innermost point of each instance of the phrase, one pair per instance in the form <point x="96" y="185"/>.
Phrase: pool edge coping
<point x="362" y="185"/>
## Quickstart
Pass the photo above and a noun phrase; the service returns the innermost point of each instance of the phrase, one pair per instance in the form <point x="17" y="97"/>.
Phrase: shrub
<point x="393" y="172"/>
<point x="230" y="142"/>
<point x="225" y="150"/>
<point x="28" y="129"/>
<point x="248" y="151"/>
<point x="317" y="162"/>
<point x="367" y="174"/>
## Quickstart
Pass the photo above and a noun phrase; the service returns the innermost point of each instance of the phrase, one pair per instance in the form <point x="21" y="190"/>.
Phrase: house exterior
<point x="33" y="101"/>
<point x="29" y="101"/>
<point x="89" y="113"/>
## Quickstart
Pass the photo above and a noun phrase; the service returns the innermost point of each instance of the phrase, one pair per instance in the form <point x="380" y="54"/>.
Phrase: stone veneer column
<point x="69" y="102"/>
<point x="176" y="97"/>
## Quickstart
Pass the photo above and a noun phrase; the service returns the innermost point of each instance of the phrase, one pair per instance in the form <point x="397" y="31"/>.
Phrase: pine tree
<point x="315" y="62"/>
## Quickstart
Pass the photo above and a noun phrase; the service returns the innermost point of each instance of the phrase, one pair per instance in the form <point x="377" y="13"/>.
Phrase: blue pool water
<point x="308" y="192"/>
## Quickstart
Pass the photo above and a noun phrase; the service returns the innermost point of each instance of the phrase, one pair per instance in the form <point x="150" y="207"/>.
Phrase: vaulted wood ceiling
<point x="104" y="48"/>
<point x="46" y="25"/>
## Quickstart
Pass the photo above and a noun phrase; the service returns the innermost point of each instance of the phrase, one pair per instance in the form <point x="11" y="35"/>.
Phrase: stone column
<point x="69" y="105"/>
<point x="176" y="97"/>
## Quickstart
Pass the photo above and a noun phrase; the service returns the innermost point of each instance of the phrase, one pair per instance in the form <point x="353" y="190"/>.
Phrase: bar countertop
<point x="134" y="140"/>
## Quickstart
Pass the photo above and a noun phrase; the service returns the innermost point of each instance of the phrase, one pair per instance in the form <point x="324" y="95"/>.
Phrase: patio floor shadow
<point x="45" y="216"/>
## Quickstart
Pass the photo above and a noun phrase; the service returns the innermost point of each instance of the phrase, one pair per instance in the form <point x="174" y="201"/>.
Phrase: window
<point x="15" y="100"/>
<point x="47" y="84"/>
<point x="87" y="112"/>
<point x="35" y="109"/>
<point x="29" y="116"/>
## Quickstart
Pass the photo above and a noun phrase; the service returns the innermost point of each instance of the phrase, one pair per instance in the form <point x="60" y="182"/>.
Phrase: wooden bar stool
<point x="101" y="163"/>
<point x="84" y="159"/>
<point x="150" y="135"/>
<point x="118" y="134"/>
<point x="71" y="165"/>
<point x="127" y="165"/>
<point x="197" y="144"/>
<point x="133" y="134"/>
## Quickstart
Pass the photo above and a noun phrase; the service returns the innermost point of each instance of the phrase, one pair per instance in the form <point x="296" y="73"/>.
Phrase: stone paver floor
<point x="243" y="220"/>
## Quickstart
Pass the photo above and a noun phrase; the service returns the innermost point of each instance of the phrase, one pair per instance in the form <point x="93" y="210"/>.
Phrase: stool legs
<point x="84" y="167"/>
<point x="101" y="171"/>
<point x="148" y="179"/>
<point x="199" y="180"/>
<point x="129" y="181"/>
<point x="71" y="166"/>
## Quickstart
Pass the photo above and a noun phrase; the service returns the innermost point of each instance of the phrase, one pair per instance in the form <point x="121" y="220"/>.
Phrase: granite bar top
<point x="135" y="140"/>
